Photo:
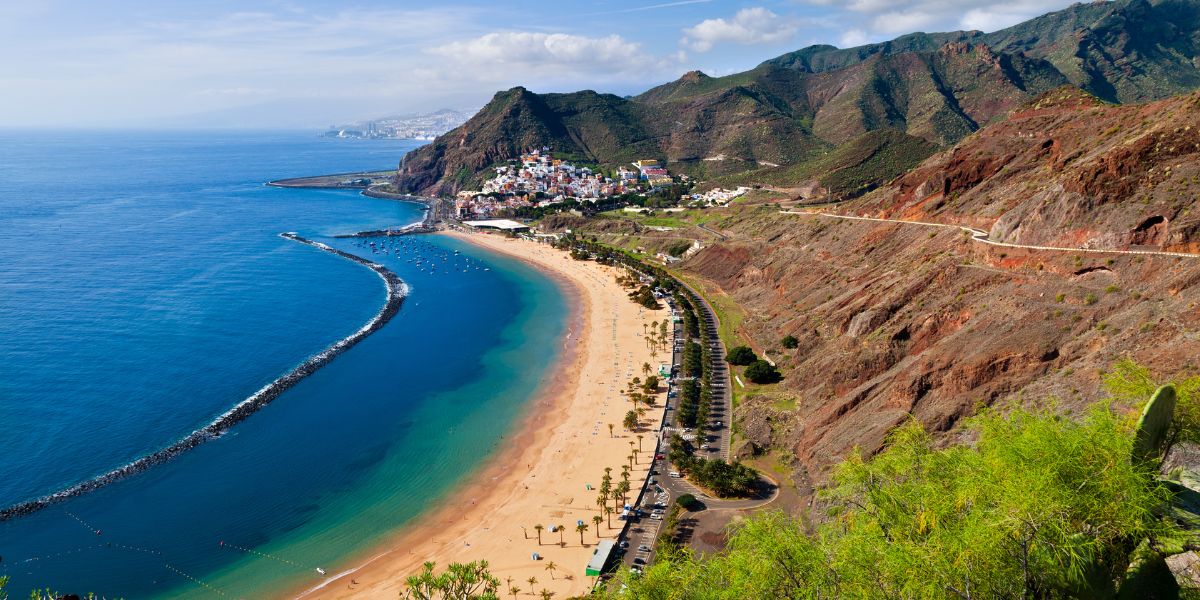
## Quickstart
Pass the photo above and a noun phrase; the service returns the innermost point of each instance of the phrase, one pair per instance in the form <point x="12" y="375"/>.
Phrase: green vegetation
<point x="740" y="355"/>
<point x="721" y="478"/>
<point x="1131" y="383"/>
<point x="645" y="297"/>
<point x="1155" y="424"/>
<point x="761" y="371"/>
<point x="790" y="342"/>
<point x="1038" y="507"/>
<point x="688" y="501"/>
<point x="470" y="581"/>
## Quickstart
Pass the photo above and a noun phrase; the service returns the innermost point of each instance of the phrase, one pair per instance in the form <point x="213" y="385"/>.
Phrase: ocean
<point x="144" y="290"/>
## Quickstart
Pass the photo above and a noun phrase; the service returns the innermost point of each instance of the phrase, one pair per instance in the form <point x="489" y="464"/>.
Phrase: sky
<point x="312" y="63"/>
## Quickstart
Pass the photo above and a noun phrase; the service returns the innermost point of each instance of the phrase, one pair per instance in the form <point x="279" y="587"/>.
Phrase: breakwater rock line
<point x="397" y="290"/>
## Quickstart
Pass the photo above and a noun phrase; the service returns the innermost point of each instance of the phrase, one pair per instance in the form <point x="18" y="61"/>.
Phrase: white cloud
<point x="749" y="26"/>
<point x="502" y="52"/>
<point x="853" y="37"/>
<point x="862" y="20"/>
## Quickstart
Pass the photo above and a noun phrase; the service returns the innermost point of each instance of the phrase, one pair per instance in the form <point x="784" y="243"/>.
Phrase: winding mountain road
<point x="982" y="237"/>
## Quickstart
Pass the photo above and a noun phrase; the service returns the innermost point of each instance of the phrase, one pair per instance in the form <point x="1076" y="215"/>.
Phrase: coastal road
<point x="978" y="235"/>
<point x="721" y="411"/>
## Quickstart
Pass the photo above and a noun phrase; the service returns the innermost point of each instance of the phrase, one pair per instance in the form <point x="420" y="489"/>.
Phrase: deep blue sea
<point x="144" y="290"/>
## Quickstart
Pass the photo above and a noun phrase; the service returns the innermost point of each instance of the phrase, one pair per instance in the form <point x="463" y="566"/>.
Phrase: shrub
<point x="688" y="501"/>
<point x="761" y="371"/>
<point x="740" y="355"/>
<point x="1038" y="507"/>
<point x="790" y="342"/>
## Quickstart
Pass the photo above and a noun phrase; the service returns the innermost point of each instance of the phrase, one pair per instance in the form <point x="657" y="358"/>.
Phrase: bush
<point x="1038" y="507"/>
<point x="688" y="501"/>
<point x="761" y="371"/>
<point x="740" y="355"/>
<point x="790" y="342"/>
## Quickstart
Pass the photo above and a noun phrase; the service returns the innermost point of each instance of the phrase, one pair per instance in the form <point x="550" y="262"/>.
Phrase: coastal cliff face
<point x="1066" y="170"/>
<point x="898" y="321"/>
<point x="796" y="110"/>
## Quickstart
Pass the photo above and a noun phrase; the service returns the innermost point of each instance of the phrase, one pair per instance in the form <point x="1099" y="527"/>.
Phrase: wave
<point x="397" y="290"/>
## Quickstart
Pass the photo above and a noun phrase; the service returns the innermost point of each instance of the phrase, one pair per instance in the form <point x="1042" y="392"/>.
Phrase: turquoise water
<point x="144" y="290"/>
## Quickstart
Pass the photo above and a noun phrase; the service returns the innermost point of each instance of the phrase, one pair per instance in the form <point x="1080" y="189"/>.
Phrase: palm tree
<point x="532" y="582"/>
<point x="597" y="520"/>
<point x="639" y="437"/>
<point x="630" y="459"/>
<point x="646" y="368"/>
<point x="561" y="530"/>
<point x="547" y="594"/>
<point x="602" y="500"/>
<point x="582" y="527"/>
<point x="550" y="566"/>
<point x="610" y="430"/>
<point x="608" y="512"/>
<point x="635" y="453"/>
<point x="514" y="590"/>
<point x="538" y="528"/>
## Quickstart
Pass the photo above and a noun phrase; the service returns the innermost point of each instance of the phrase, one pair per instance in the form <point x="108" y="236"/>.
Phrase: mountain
<point x="777" y="120"/>
<point x="896" y="321"/>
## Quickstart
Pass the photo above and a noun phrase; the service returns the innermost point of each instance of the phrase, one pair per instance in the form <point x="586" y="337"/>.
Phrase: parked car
<point x="643" y="548"/>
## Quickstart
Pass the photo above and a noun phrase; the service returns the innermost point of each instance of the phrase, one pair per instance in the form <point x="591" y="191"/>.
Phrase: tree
<point x="651" y="384"/>
<point x="687" y="501"/>
<point x="597" y="520"/>
<point x="761" y="371"/>
<point x="608" y="512"/>
<point x="639" y="439"/>
<point x="581" y="528"/>
<point x="562" y="530"/>
<point x="550" y="566"/>
<point x="631" y="420"/>
<point x="610" y="430"/>
<point x="514" y="590"/>
<point x="538" y="528"/>
<point x="646" y="368"/>
<point x="790" y="342"/>
<point x="470" y="581"/>
<point x="740" y="355"/>
<point x="547" y="594"/>
<point x="532" y="582"/>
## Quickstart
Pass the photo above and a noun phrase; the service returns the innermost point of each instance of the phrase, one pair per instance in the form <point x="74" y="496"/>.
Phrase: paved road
<point x="721" y="409"/>
<point x="982" y="237"/>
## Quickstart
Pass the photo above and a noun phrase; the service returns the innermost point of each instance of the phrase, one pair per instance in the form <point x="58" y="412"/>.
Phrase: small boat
<point x="320" y="570"/>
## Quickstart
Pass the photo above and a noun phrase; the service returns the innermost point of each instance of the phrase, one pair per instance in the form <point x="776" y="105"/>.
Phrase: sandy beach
<point x="560" y="447"/>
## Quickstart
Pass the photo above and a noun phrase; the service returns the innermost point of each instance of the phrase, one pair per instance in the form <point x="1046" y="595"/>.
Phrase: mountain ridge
<point x="803" y="105"/>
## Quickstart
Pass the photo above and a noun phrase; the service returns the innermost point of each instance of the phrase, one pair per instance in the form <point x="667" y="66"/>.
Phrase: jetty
<point x="397" y="290"/>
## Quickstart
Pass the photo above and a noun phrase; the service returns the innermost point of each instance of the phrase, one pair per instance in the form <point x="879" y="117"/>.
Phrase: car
<point x="643" y="548"/>
<point x="659" y="456"/>
<point x="674" y="474"/>
<point x="656" y="517"/>
<point x="639" y="561"/>
<point x="624" y="543"/>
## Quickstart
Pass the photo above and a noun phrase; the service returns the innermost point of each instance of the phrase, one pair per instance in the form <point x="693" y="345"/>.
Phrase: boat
<point x="320" y="570"/>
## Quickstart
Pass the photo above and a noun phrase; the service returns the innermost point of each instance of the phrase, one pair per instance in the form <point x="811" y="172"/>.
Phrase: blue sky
<point x="307" y="63"/>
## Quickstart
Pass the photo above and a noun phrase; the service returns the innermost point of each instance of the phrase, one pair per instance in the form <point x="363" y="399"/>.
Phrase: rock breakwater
<point x="397" y="290"/>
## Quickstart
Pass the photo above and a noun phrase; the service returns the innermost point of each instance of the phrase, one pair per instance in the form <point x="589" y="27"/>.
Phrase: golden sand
<point x="558" y="450"/>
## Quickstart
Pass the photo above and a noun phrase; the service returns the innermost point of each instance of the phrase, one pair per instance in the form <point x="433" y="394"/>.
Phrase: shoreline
<point x="545" y="438"/>
<point x="397" y="290"/>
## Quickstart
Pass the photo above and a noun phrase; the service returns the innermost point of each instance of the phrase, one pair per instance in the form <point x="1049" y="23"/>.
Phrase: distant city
<point x="423" y="126"/>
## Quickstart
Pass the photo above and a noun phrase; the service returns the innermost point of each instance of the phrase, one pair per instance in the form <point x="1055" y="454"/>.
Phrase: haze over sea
<point x="144" y="291"/>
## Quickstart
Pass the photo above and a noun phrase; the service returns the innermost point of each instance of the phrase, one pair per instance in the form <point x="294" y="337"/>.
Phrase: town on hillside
<point x="539" y="180"/>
